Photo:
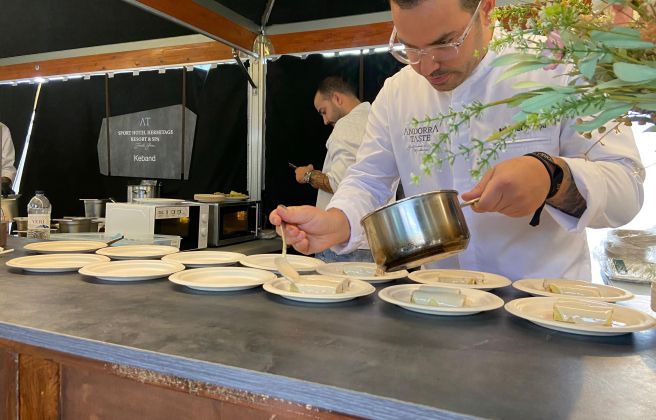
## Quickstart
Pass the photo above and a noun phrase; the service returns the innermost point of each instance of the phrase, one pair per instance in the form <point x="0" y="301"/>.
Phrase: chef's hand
<point x="6" y="187"/>
<point x="310" y="229"/>
<point x="300" y="172"/>
<point x="515" y="187"/>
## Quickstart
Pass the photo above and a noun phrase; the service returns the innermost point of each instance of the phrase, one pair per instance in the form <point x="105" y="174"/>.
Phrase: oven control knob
<point x="203" y="232"/>
<point x="204" y="217"/>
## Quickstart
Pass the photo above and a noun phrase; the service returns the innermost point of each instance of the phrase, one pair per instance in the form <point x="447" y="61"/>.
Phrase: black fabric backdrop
<point x="16" y="111"/>
<point x="63" y="160"/>
<point x="294" y="130"/>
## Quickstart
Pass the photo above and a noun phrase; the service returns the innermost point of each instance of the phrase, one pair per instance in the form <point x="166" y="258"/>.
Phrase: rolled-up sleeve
<point x="609" y="175"/>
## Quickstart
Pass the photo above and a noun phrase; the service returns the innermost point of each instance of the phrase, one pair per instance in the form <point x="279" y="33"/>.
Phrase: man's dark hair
<point x="469" y="5"/>
<point x="333" y="84"/>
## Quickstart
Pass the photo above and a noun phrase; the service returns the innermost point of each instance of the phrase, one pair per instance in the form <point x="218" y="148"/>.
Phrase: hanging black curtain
<point x="377" y="68"/>
<point x="16" y="111"/>
<point x="294" y="131"/>
<point x="63" y="159"/>
<point x="219" y="160"/>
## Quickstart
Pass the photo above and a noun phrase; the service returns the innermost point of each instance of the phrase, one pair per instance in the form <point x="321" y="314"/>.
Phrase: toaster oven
<point x="186" y="219"/>
<point x="233" y="222"/>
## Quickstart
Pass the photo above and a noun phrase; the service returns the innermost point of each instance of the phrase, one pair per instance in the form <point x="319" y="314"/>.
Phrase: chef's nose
<point x="427" y="66"/>
<point x="325" y="120"/>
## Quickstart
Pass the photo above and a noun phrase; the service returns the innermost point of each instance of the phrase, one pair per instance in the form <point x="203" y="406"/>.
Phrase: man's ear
<point x="486" y="8"/>
<point x="338" y="98"/>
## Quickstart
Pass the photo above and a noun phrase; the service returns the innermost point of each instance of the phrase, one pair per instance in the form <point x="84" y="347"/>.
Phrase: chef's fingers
<point x="275" y="219"/>
<point x="478" y="192"/>
<point x="297" y="215"/>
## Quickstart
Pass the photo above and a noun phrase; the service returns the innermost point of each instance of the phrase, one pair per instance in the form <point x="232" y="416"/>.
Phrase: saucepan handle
<point x="470" y="202"/>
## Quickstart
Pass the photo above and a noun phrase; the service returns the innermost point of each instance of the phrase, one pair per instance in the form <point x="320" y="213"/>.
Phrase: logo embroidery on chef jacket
<point x="419" y="139"/>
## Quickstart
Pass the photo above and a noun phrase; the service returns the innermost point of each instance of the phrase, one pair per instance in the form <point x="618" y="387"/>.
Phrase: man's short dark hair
<point x="333" y="84"/>
<point x="469" y="5"/>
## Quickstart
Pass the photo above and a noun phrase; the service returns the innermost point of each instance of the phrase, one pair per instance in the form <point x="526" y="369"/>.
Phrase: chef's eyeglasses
<point x="441" y="52"/>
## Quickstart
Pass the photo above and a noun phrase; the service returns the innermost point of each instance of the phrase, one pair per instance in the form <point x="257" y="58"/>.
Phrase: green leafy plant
<point x="610" y="58"/>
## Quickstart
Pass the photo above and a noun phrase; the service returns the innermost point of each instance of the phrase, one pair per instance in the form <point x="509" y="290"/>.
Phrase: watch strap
<point x="555" y="180"/>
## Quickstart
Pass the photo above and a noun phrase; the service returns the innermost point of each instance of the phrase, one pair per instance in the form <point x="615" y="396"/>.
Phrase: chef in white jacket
<point x="601" y="189"/>
<point x="8" y="172"/>
<point x="338" y="106"/>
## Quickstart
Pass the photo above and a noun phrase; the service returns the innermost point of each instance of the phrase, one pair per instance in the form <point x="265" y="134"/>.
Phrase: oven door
<point x="183" y="221"/>
<point x="236" y="223"/>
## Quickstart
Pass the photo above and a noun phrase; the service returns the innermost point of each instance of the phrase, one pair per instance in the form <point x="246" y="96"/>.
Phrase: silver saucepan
<point x="417" y="230"/>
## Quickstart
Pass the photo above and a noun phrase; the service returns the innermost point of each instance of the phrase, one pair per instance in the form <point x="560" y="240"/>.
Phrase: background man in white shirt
<point x="600" y="187"/>
<point x="8" y="154"/>
<point x="336" y="102"/>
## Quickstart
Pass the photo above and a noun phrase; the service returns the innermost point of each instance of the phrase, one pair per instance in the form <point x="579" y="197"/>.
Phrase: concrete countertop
<point x="364" y="357"/>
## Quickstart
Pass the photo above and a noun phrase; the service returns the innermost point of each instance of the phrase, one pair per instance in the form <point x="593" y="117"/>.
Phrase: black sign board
<point x="148" y="144"/>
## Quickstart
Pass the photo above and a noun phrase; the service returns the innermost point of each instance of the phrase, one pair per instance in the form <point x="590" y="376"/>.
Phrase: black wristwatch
<point x="555" y="176"/>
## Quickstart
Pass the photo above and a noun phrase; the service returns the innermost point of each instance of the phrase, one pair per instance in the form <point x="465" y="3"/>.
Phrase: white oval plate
<point x="53" y="247"/>
<point x="301" y="263"/>
<point x="55" y="263"/>
<point x="193" y="259"/>
<point x="490" y="281"/>
<point x="222" y="279"/>
<point x="152" y="200"/>
<point x="129" y="252"/>
<point x="209" y="198"/>
<point x="357" y="288"/>
<point x="475" y="301"/>
<point x="539" y="310"/>
<point x="132" y="270"/>
<point x="360" y="271"/>
<point x="608" y="293"/>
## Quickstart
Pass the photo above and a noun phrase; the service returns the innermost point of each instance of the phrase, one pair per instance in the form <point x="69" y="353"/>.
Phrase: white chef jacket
<point x="8" y="153"/>
<point x="342" y="146"/>
<point x="610" y="181"/>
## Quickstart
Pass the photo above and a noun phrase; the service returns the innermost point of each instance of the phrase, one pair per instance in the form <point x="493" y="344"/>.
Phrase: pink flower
<point x="622" y="14"/>
<point x="554" y="47"/>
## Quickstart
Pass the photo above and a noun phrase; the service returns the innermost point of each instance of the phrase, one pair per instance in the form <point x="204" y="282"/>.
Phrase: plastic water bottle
<point x="38" y="217"/>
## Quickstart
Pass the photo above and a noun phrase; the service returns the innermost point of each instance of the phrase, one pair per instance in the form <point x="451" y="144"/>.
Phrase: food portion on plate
<point x="366" y="271"/>
<point x="438" y="296"/>
<point x="319" y="289"/>
<point x="319" y="285"/>
<point x="572" y="289"/>
<point x="444" y="301"/>
<point x="235" y="195"/>
<point x="564" y="287"/>
<point x="583" y="312"/>
<point x="460" y="278"/>
<point x="580" y="316"/>
<point x="300" y="263"/>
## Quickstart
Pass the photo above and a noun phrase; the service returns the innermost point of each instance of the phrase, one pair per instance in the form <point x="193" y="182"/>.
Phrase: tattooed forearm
<point x="568" y="199"/>
<point x="320" y="181"/>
